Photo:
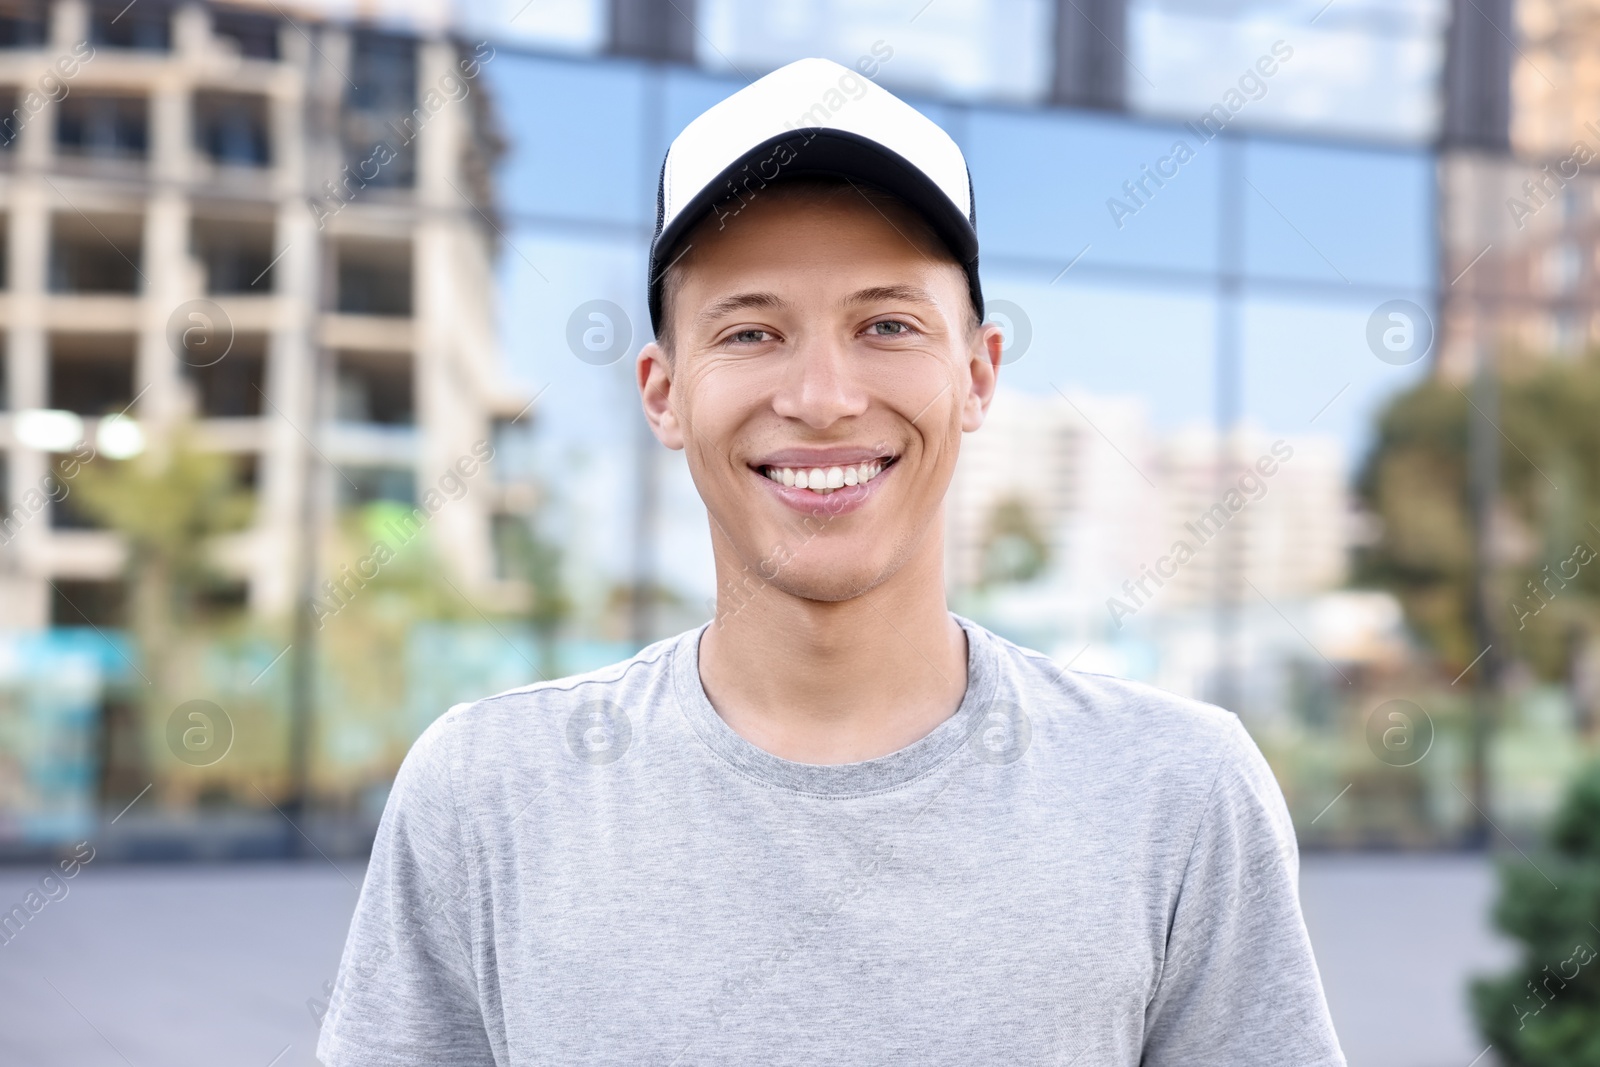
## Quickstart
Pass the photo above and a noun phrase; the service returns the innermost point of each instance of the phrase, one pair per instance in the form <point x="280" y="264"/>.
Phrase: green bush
<point x="1546" y="1011"/>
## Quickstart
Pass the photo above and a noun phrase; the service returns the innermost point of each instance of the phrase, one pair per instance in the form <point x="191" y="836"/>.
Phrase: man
<point x="837" y="824"/>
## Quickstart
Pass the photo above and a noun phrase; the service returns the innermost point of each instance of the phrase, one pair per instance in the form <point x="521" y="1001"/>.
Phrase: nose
<point x="820" y="385"/>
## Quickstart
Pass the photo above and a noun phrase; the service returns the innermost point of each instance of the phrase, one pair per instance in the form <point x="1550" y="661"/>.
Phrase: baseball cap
<point x="812" y="118"/>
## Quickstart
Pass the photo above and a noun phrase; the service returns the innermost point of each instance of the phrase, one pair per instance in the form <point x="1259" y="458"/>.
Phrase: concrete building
<point x="1107" y="498"/>
<point x="1286" y="533"/>
<point x="1519" y="195"/>
<point x="1051" y="466"/>
<point x="281" y="230"/>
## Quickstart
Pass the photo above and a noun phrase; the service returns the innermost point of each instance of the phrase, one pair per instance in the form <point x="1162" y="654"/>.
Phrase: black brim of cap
<point x="815" y="152"/>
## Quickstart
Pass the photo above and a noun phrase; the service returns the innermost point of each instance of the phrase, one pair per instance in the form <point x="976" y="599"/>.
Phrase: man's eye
<point x="890" y="328"/>
<point x="749" y="337"/>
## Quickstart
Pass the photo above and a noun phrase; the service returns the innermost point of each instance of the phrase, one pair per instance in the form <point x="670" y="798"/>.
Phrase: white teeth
<point x="824" y="479"/>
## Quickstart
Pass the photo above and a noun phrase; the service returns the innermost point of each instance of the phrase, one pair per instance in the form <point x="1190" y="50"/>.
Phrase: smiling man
<point x="837" y="824"/>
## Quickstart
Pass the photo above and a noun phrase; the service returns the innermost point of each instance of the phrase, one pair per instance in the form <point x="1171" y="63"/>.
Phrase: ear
<point x="983" y="375"/>
<point x="654" y="372"/>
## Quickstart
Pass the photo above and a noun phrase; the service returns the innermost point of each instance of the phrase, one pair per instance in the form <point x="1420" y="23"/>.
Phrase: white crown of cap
<point x="798" y="96"/>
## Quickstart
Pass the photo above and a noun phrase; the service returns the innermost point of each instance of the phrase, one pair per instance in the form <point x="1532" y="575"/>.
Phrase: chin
<point x="833" y="580"/>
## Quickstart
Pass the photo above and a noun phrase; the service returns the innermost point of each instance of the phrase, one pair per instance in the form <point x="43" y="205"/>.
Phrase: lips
<point x="845" y="478"/>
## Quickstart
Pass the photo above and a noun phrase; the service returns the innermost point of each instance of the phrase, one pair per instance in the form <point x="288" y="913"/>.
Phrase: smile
<point x="824" y="480"/>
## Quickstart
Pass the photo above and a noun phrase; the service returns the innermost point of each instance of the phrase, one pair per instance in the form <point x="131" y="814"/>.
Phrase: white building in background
<point x="1112" y="502"/>
<point x="1080" y="466"/>
<point x="1276" y="518"/>
<point x="220" y="154"/>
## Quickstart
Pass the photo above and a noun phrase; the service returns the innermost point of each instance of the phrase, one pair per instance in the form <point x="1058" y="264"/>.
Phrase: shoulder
<point x="1164" y="773"/>
<point x="1112" y="729"/>
<point x="510" y="729"/>
<point x="1143" y="755"/>
<point x="1143" y="747"/>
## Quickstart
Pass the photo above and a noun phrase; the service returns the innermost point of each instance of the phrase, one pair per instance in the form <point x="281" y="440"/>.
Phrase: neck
<point x="842" y="681"/>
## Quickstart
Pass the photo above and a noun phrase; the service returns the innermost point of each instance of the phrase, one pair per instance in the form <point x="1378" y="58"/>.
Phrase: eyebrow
<point x="912" y="293"/>
<point x="739" y="302"/>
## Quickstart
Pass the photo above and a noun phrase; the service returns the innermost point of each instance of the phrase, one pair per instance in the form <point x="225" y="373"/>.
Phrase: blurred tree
<point x="382" y="577"/>
<point x="1545" y="1012"/>
<point x="168" y="504"/>
<point x="526" y="554"/>
<point x="618" y="610"/>
<point x="1013" y="548"/>
<point x="1547" y="530"/>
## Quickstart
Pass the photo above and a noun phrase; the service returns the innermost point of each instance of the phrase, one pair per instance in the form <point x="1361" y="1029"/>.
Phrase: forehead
<point x="815" y="242"/>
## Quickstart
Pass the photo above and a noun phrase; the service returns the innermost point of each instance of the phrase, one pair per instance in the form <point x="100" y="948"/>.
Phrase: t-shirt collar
<point x="843" y="779"/>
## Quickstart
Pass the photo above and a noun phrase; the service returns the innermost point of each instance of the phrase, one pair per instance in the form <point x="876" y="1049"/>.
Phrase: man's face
<point x="823" y="341"/>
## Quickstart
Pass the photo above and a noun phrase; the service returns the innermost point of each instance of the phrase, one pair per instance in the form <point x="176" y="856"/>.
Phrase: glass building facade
<point x="1237" y="287"/>
<point x="1210" y="257"/>
<point x="1190" y="272"/>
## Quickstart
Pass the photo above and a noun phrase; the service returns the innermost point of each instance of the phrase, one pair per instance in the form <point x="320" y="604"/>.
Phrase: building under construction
<point x="275" y="227"/>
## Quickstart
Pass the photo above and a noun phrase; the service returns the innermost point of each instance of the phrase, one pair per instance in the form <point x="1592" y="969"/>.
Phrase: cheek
<point x="712" y="416"/>
<point x="930" y="401"/>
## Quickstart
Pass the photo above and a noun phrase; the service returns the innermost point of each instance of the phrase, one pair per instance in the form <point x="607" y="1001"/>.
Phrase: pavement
<point x="199" y="965"/>
<point x="1396" y="938"/>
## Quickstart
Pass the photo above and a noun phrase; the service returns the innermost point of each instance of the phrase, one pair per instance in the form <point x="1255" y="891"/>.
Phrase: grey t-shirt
<point x="1072" y="869"/>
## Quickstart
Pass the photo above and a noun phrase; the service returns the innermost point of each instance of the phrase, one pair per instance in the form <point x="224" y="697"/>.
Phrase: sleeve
<point x="1239" y="985"/>
<point x="407" y="991"/>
